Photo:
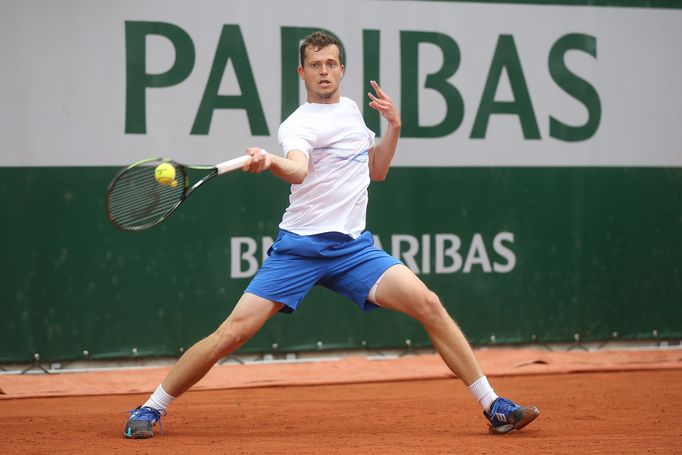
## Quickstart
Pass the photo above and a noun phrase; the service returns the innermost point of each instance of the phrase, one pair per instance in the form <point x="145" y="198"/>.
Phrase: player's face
<point x="322" y="72"/>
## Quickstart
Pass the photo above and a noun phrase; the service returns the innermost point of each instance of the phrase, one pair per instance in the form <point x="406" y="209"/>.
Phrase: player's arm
<point x="292" y="169"/>
<point x="381" y="155"/>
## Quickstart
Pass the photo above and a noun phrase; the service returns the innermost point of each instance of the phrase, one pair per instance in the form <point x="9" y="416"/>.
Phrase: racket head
<point x="136" y="201"/>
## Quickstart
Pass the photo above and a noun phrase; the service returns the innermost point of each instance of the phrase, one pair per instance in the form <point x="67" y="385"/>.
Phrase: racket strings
<point x="136" y="199"/>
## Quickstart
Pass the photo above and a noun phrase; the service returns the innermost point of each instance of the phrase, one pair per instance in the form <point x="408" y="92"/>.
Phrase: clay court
<point x="591" y="402"/>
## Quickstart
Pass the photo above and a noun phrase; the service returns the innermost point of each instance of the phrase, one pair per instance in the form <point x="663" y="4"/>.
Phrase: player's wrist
<point x="395" y="123"/>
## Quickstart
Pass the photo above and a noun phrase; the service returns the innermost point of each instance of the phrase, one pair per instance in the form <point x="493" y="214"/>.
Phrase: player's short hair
<point x="319" y="40"/>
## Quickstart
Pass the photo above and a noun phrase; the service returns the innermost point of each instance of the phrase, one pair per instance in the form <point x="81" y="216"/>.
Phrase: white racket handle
<point x="231" y="165"/>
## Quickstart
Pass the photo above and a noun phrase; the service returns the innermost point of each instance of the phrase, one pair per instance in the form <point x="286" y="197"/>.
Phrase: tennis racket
<point x="135" y="200"/>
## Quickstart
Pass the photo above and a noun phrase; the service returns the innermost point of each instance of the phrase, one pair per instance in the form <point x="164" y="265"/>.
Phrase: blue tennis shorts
<point x="336" y="261"/>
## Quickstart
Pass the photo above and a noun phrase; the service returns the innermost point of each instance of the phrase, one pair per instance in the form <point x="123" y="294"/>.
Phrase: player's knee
<point x="431" y="309"/>
<point x="227" y="339"/>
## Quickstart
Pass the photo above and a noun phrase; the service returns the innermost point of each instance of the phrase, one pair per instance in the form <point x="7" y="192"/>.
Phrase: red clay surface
<point x="494" y="362"/>
<point x="590" y="402"/>
<point x="604" y="412"/>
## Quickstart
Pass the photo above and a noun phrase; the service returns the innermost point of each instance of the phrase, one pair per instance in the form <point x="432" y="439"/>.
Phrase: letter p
<point x="137" y="78"/>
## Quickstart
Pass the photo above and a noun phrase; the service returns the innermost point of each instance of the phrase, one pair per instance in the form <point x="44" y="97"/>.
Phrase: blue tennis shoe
<point x="506" y="416"/>
<point x="141" y="421"/>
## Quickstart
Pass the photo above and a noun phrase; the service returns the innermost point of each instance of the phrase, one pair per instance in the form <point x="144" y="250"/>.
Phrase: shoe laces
<point x="503" y="406"/>
<point x="148" y="413"/>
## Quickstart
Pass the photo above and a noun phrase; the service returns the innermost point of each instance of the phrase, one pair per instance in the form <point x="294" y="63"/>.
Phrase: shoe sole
<point x="519" y="419"/>
<point x="139" y="435"/>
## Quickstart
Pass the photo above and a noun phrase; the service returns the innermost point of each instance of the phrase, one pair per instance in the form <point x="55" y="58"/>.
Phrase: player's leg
<point x="248" y="316"/>
<point x="400" y="289"/>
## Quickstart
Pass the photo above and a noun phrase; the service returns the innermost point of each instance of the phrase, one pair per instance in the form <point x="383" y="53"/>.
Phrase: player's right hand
<point x="260" y="160"/>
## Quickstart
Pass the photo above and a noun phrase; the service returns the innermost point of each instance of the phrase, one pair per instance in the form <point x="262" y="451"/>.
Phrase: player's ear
<point x="343" y="71"/>
<point x="300" y="72"/>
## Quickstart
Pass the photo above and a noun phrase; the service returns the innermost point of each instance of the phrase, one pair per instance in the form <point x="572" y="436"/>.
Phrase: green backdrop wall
<point x="597" y="251"/>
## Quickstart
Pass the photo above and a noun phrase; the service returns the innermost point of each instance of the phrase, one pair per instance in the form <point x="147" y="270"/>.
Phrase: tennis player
<point x="329" y="157"/>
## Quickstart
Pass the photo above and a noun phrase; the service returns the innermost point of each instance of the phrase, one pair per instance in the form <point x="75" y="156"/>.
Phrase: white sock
<point x="482" y="391"/>
<point x="159" y="400"/>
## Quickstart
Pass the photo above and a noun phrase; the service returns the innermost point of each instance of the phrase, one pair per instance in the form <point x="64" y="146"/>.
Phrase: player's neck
<point x="316" y="99"/>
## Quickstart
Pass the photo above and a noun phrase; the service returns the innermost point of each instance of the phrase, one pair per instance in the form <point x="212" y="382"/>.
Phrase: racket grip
<point x="231" y="165"/>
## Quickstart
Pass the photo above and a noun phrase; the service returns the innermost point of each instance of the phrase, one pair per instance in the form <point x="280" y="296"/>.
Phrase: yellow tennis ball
<point x="165" y="174"/>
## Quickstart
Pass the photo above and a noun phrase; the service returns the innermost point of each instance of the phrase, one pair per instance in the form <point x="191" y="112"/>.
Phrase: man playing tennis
<point x="329" y="158"/>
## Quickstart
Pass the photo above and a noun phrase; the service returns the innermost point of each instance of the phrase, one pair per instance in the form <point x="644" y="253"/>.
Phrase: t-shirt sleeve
<point x="372" y="138"/>
<point x="372" y="135"/>
<point x="293" y="137"/>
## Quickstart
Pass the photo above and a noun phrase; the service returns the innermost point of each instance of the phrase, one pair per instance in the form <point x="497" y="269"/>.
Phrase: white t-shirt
<point x="333" y="196"/>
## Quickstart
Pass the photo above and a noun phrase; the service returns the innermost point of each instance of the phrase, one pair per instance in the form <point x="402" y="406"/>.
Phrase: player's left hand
<point x="382" y="103"/>
<point x="260" y="160"/>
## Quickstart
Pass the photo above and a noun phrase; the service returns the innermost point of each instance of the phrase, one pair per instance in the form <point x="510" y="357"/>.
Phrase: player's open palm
<point x="382" y="103"/>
